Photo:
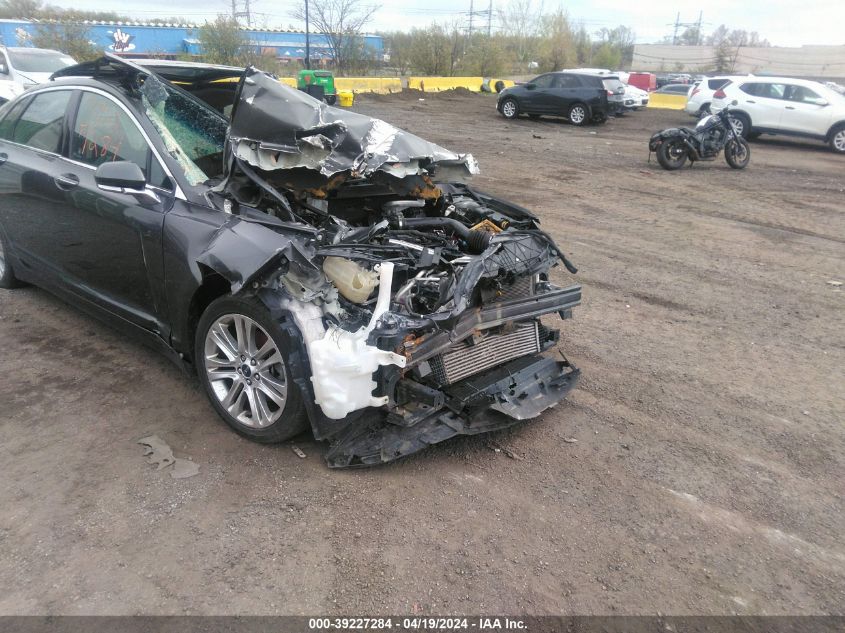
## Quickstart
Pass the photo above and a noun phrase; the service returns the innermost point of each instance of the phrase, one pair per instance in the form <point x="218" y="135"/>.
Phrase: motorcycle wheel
<point x="672" y="154"/>
<point x="737" y="153"/>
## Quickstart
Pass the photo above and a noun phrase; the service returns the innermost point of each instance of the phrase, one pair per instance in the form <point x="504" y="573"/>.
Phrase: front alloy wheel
<point x="837" y="141"/>
<point x="578" y="114"/>
<point x="510" y="110"/>
<point x="242" y="361"/>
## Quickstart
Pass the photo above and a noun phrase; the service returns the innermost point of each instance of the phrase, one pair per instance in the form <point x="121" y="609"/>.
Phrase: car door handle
<point x="790" y="107"/>
<point x="749" y="101"/>
<point x="3" y="158"/>
<point x="66" y="181"/>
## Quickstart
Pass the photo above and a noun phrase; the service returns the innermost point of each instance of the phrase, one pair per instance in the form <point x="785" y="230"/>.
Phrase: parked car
<point x="782" y="105"/>
<point x="673" y="89"/>
<point x="701" y="95"/>
<point x="312" y="265"/>
<point x="580" y="97"/>
<point x="635" y="98"/>
<point x="30" y="66"/>
<point x="643" y="81"/>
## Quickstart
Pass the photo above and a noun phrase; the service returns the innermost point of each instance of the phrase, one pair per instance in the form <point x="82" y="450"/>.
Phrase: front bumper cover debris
<point x="490" y="401"/>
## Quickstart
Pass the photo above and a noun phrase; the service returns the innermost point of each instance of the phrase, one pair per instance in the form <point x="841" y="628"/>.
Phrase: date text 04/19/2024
<point x="423" y="623"/>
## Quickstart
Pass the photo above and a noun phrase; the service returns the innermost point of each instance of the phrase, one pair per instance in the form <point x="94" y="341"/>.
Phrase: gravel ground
<point x="705" y="476"/>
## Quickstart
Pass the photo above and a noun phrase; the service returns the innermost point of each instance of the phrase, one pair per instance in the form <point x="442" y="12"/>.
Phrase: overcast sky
<point x="782" y="22"/>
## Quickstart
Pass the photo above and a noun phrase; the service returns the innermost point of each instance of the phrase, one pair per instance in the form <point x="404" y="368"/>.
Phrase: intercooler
<point x="472" y="356"/>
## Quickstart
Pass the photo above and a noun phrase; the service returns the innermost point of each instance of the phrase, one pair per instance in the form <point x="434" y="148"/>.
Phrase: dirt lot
<point x="707" y="475"/>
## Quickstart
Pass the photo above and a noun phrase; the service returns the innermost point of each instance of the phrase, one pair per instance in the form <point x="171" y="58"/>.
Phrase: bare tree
<point x="342" y="22"/>
<point x="521" y="21"/>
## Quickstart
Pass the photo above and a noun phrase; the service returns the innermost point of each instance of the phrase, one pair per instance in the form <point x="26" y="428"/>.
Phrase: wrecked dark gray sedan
<point x="311" y="265"/>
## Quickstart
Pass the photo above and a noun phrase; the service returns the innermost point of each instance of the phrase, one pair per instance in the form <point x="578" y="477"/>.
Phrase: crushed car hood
<point x="275" y="127"/>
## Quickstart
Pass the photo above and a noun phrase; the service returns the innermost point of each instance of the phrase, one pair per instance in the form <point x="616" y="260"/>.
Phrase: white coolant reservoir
<point x="352" y="280"/>
<point x="342" y="364"/>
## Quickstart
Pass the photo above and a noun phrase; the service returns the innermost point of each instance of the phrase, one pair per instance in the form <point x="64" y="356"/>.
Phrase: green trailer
<point x="310" y="81"/>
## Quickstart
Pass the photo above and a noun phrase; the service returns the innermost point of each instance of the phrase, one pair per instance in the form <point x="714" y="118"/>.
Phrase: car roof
<point x="28" y="49"/>
<point x="175" y="63"/>
<point x="181" y="72"/>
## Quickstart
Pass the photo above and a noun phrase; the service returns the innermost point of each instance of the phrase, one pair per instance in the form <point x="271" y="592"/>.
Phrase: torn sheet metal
<point x="275" y="127"/>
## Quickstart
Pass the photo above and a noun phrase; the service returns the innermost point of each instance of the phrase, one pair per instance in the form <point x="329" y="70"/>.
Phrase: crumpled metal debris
<point x="276" y="127"/>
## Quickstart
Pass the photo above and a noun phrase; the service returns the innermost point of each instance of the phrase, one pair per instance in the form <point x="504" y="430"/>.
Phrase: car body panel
<point x="776" y="105"/>
<point x="294" y="187"/>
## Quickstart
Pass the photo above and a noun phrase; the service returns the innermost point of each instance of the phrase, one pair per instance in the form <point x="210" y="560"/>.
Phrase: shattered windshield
<point x="193" y="134"/>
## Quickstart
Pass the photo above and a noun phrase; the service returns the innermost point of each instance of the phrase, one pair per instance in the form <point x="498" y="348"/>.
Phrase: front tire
<point x="578" y="114"/>
<point x="7" y="273"/>
<point x="510" y="109"/>
<point x="241" y="356"/>
<point x="672" y="154"/>
<point x="837" y="140"/>
<point x="737" y="153"/>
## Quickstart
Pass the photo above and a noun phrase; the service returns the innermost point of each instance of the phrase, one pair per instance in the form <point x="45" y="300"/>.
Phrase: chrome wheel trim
<point x="839" y="140"/>
<point x="509" y="108"/>
<point x="246" y="371"/>
<point x="2" y="259"/>
<point x="577" y="114"/>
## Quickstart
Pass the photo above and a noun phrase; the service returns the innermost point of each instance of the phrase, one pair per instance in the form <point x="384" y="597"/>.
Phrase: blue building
<point x="139" y="39"/>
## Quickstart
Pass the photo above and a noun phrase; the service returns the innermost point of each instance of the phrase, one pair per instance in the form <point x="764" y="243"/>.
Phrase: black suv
<point x="579" y="97"/>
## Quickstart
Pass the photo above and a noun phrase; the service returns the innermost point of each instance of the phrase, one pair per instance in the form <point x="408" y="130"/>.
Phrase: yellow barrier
<point x="670" y="102"/>
<point x="379" y="85"/>
<point x="288" y="81"/>
<point x="436" y="84"/>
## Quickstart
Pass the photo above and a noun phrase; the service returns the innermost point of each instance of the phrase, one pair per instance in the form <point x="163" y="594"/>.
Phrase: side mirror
<point x="120" y="177"/>
<point x="821" y="102"/>
<point x="530" y="86"/>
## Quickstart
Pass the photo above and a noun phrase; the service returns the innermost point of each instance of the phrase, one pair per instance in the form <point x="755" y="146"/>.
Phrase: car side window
<point x="715" y="84"/>
<point x="104" y="133"/>
<point x="802" y="94"/>
<point x="566" y="81"/>
<point x="750" y="89"/>
<point x="543" y="81"/>
<point x="771" y="91"/>
<point x="40" y="125"/>
<point x="7" y="124"/>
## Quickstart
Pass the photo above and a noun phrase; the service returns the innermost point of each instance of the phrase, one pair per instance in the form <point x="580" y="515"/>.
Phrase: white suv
<point x="780" y="105"/>
<point x="700" y="96"/>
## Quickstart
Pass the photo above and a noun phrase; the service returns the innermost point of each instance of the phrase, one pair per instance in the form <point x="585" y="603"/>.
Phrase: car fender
<point x="833" y="128"/>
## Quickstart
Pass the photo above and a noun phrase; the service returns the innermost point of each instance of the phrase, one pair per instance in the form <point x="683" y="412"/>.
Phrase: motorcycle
<point x="711" y="135"/>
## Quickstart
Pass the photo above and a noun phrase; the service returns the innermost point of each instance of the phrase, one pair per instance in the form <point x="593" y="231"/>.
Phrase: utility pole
<point x="246" y="13"/>
<point x="471" y="14"/>
<point x="490" y="19"/>
<point x="307" y="39"/>
<point x="687" y="25"/>
<point x="677" y="26"/>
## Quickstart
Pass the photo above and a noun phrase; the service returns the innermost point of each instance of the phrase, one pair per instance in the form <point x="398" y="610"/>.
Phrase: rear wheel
<point x="241" y="357"/>
<point x="7" y="274"/>
<point x="510" y="109"/>
<point x="672" y="154"/>
<point x="837" y="140"/>
<point x="577" y="114"/>
<point x="737" y="153"/>
<point x="331" y="99"/>
<point x="704" y="111"/>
